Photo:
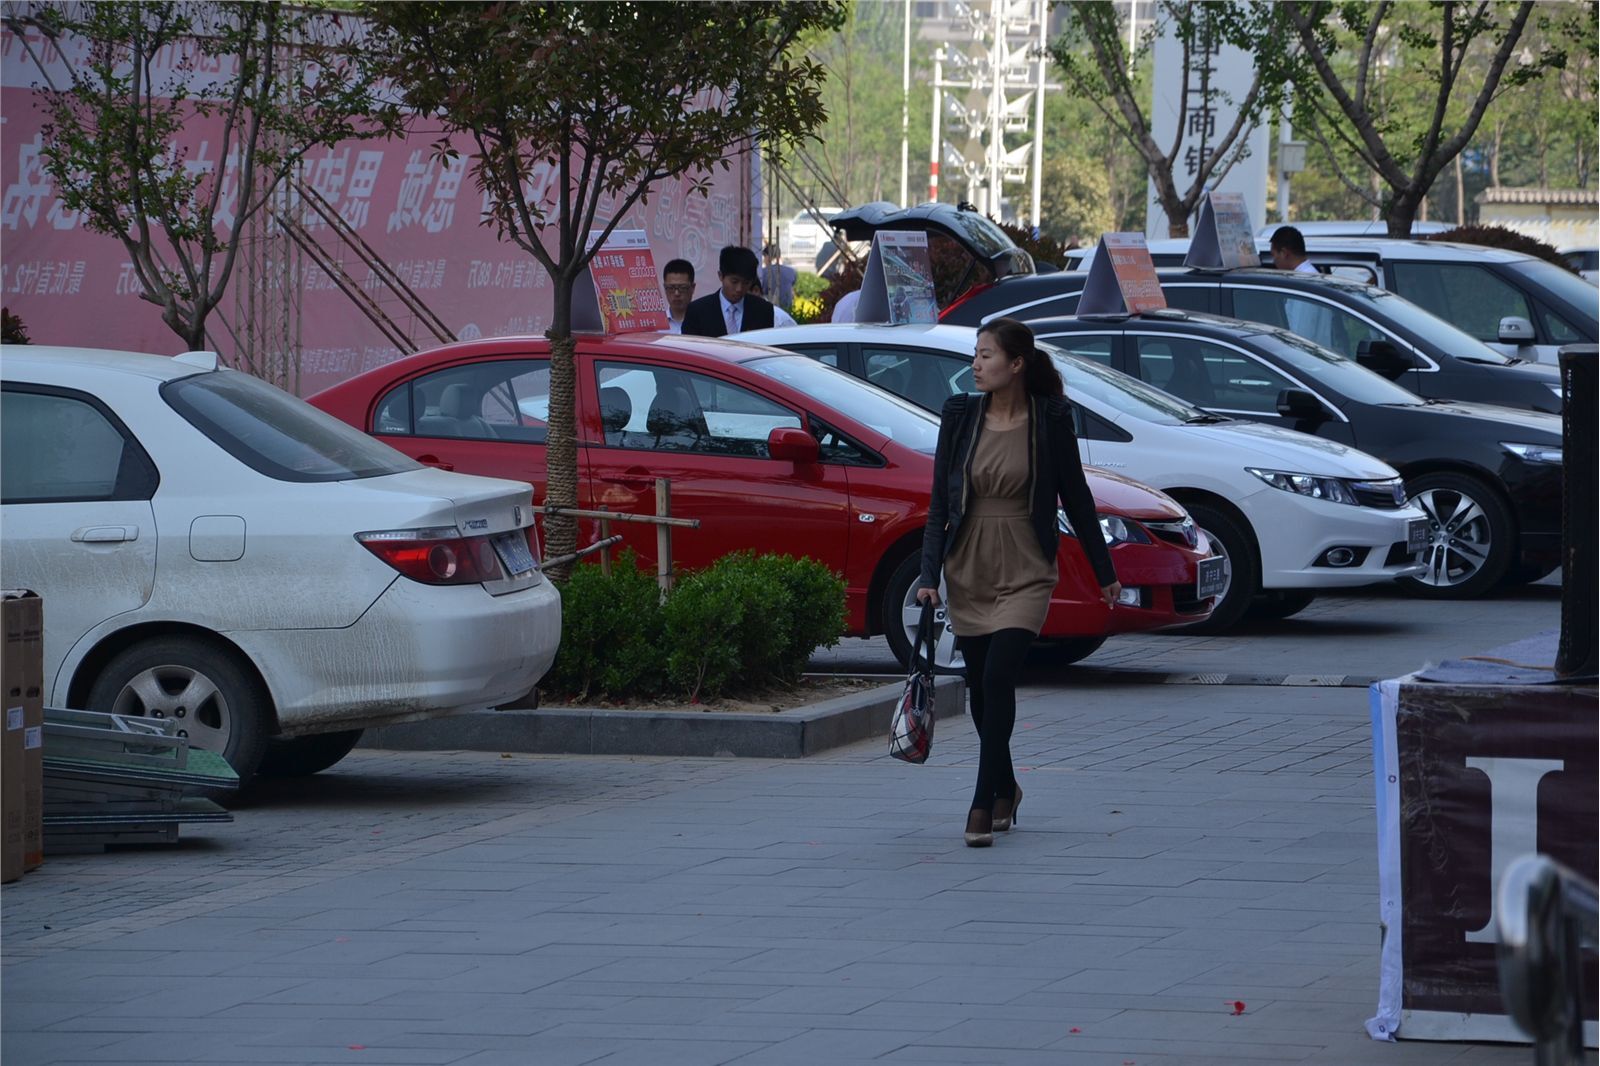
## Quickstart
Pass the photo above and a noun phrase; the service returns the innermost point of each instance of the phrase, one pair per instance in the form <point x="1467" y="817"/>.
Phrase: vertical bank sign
<point x="1195" y="107"/>
<point x="421" y="215"/>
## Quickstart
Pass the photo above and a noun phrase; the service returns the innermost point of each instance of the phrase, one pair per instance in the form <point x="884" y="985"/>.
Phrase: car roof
<point x="1166" y="316"/>
<point x="1395" y="248"/>
<point x="1350" y="228"/>
<point x="863" y="332"/>
<point x="35" y="357"/>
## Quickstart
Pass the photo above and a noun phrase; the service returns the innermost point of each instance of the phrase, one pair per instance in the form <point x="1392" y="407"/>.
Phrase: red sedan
<point x="771" y="451"/>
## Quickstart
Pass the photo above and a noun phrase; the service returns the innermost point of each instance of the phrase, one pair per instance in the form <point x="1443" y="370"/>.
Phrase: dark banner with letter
<point x="1470" y="778"/>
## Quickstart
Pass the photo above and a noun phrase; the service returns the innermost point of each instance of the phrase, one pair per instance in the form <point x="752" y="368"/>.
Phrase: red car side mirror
<point x="793" y="445"/>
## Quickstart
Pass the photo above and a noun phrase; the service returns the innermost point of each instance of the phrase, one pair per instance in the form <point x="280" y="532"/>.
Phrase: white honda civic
<point x="212" y="550"/>
<point x="1292" y="513"/>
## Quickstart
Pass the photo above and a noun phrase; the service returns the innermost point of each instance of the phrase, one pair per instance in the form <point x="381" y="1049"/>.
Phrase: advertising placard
<point x="898" y="284"/>
<point x="1122" y="279"/>
<point x="1223" y="239"/>
<point x="623" y="294"/>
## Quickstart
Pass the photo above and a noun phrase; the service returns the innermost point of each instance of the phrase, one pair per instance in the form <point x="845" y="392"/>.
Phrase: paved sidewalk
<point x="1183" y="849"/>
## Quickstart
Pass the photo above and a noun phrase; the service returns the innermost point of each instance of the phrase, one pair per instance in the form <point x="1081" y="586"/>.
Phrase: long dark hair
<point x="1039" y="374"/>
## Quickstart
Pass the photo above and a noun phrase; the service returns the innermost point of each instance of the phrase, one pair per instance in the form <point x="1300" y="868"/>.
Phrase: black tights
<point x="994" y="660"/>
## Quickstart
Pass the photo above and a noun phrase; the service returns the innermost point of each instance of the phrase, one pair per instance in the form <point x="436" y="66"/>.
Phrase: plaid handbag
<point x="911" y="728"/>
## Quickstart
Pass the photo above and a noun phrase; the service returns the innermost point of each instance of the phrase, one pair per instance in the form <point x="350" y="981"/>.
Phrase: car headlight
<point x="1535" y="453"/>
<point x="1115" y="529"/>
<point x="1318" y="488"/>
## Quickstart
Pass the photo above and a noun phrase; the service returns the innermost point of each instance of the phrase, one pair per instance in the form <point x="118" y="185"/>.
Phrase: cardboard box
<point x="22" y="749"/>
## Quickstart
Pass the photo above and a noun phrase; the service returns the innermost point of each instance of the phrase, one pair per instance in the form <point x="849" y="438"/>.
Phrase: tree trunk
<point x="561" y="447"/>
<point x="1402" y="213"/>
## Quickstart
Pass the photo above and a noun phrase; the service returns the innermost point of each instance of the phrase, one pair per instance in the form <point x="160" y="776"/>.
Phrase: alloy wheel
<point x="945" y="655"/>
<point x="1460" y="537"/>
<point x="182" y="694"/>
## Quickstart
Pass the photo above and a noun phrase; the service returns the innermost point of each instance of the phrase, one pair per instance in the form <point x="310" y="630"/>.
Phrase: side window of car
<point x="927" y="379"/>
<point x="1190" y="297"/>
<point x="662" y="409"/>
<point x="1558" y="329"/>
<point x="1209" y="375"/>
<point x="1089" y="346"/>
<point x="1467" y="295"/>
<point x="60" y="448"/>
<point x="1091" y="426"/>
<point x="496" y="400"/>
<point x="827" y="354"/>
<point x="1323" y="323"/>
<point x="393" y="416"/>
<point x="835" y="447"/>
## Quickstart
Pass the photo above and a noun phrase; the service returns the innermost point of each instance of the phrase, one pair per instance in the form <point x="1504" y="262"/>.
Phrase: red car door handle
<point x="435" y="461"/>
<point x="635" y="477"/>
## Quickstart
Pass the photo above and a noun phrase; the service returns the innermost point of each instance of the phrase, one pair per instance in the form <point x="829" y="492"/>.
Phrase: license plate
<point x="1417" y="535"/>
<point x="513" y="551"/>
<point x="1213" y="578"/>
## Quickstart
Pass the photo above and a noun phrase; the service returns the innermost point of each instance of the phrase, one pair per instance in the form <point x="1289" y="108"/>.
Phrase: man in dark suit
<point x="732" y="308"/>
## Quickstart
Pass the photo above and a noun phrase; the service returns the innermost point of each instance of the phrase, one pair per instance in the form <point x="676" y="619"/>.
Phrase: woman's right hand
<point x="928" y="596"/>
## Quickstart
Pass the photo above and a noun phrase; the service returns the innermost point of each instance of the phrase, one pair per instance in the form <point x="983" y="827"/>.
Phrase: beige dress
<point x="996" y="576"/>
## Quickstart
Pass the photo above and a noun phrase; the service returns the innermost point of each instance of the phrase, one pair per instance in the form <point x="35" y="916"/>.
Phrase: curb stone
<point x="790" y="734"/>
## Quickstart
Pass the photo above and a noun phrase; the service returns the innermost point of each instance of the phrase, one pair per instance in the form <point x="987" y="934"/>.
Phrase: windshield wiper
<point x="1205" y="420"/>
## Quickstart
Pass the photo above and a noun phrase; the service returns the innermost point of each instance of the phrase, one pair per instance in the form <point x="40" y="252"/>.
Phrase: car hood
<point x="1280" y="448"/>
<point x="1133" y="499"/>
<point x="981" y="238"/>
<point x="1528" y="427"/>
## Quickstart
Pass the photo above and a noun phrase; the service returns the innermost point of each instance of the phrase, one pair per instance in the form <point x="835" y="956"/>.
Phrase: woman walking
<point x="1004" y="458"/>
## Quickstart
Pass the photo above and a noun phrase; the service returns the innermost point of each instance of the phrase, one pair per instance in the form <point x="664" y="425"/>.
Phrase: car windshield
<point x="1563" y="284"/>
<point x="1329" y="368"/>
<point x="1422" y="323"/>
<point x="883" y="412"/>
<point x="1127" y="395"/>
<point x="277" y="435"/>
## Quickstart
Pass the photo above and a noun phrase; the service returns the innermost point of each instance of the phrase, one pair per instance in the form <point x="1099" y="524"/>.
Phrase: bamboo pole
<point x="663" y="536"/>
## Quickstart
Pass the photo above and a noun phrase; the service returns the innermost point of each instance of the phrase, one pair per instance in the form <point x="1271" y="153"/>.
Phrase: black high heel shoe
<point x="1005" y="811"/>
<point x="980" y="828"/>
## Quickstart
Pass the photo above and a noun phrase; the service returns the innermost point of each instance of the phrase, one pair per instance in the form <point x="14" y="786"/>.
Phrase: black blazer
<point x="704" y="316"/>
<point x="1055" y="472"/>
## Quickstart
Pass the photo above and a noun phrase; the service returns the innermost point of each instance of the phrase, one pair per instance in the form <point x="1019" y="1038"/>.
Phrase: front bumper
<point x="1165" y="574"/>
<point x="1295" y="533"/>
<point x="420" y="651"/>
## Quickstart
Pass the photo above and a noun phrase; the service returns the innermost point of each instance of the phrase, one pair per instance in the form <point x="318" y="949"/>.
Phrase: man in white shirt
<point x="677" y="278"/>
<point x="1289" y="251"/>
<point x="845" y="309"/>
<point x="1305" y="318"/>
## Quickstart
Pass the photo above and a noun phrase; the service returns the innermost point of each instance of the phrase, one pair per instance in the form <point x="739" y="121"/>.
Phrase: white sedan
<point x="212" y="550"/>
<point x="1292" y="513"/>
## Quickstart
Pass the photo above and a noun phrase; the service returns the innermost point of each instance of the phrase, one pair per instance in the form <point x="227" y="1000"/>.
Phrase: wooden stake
<point x="664" y="536"/>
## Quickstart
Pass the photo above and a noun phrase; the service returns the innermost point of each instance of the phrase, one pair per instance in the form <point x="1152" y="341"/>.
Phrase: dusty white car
<point x="211" y="549"/>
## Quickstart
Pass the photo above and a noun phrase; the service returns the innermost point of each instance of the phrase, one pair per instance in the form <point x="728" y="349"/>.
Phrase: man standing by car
<point x="1289" y="251"/>
<point x="730" y="309"/>
<point x="1303" y="317"/>
<point x="777" y="278"/>
<point x="677" y="278"/>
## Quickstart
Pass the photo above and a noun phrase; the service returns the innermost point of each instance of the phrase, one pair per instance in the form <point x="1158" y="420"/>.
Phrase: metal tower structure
<point x="989" y="79"/>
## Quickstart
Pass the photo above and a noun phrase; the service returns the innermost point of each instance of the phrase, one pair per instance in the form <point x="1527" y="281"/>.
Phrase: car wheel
<point x="1073" y="650"/>
<point x="1229" y="540"/>
<point x="1470" y="546"/>
<point x="1280" y="603"/>
<point x="214" y="699"/>
<point x="304" y="756"/>
<point x="902" y="612"/>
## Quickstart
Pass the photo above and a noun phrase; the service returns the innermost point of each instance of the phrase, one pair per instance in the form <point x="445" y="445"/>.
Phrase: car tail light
<point x="964" y="297"/>
<point x="436" y="556"/>
<point x="533" y="545"/>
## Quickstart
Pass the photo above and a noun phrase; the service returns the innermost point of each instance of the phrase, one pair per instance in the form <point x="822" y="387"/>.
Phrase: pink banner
<point x="421" y="216"/>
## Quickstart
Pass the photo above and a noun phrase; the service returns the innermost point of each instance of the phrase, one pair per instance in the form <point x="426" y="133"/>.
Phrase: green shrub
<point x="815" y="597"/>
<point x="744" y="622"/>
<point x="610" y="632"/>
